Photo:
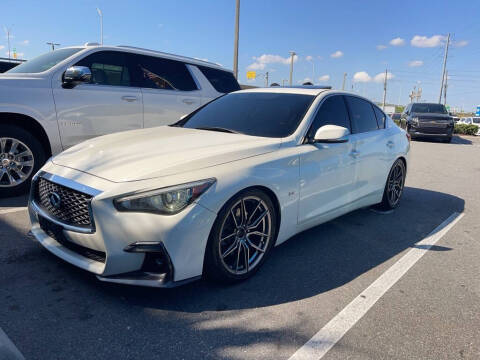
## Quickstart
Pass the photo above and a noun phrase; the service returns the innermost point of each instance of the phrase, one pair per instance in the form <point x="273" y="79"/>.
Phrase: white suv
<point x="61" y="98"/>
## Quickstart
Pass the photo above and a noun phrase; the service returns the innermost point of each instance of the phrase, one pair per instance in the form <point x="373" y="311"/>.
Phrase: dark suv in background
<point x="427" y="120"/>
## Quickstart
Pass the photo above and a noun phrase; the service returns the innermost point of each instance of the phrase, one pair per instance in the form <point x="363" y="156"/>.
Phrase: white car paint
<point x="312" y="183"/>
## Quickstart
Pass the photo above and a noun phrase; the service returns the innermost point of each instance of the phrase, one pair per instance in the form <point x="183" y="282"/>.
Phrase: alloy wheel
<point x="395" y="184"/>
<point x="245" y="235"/>
<point x="16" y="162"/>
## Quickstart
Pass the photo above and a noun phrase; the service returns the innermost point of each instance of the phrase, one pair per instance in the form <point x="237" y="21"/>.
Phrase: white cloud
<point x="428" y="42"/>
<point x="415" y="63"/>
<point x="337" y="54"/>
<point x="361" y="76"/>
<point x="261" y="62"/>
<point x="324" y="78"/>
<point x="2" y="47"/>
<point x="309" y="58"/>
<point x="381" y="47"/>
<point x="379" y="78"/>
<point x="25" y="42"/>
<point x="397" y="42"/>
<point x="460" y="43"/>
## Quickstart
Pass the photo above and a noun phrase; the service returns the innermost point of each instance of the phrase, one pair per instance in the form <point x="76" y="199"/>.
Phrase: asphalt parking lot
<point x="52" y="310"/>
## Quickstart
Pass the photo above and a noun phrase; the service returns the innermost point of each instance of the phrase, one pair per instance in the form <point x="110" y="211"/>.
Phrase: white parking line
<point x="12" y="210"/>
<point x="7" y="349"/>
<point x="334" y="330"/>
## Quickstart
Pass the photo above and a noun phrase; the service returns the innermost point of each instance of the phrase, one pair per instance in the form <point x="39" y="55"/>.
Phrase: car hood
<point x="162" y="151"/>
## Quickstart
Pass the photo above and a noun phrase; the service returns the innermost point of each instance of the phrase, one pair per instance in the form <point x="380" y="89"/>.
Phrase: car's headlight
<point x="167" y="201"/>
<point x="415" y="120"/>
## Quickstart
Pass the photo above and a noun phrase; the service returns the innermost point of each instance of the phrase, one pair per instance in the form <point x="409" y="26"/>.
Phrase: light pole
<point x="52" y="44"/>
<point x="7" y="32"/>
<point x="101" y="25"/>
<point x="235" y="46"/>
<point x="292" y="55"/>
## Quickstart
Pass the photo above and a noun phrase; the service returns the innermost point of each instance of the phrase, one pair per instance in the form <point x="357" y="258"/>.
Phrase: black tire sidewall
<point x="385" y="204"/>
<point x="213" y="266"/>
<point x="38" y="152"/>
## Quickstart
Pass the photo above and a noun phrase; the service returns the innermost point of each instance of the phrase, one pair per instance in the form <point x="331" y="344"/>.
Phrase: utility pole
<point x="384" y="90"/>
<point x="266" y="79"/>
<point x="292" y="55"/>
<point x="52" y="44"/>
<point x="7" y="32"/>
<point x="445" y="89"/>
<point x="101" y="25"/>
<point x="444" y="67"/>
<point x="344" y="80"/>
<point x="235" y="46"/>
<point x="283" y="82"/>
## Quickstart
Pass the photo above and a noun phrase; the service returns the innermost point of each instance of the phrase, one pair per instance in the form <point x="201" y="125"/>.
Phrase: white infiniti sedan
<point x="212" y="194"/>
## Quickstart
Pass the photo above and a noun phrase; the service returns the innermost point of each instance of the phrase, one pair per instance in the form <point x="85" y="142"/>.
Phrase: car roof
<point x="305" y="90"/>
<point x="138" y="50"/>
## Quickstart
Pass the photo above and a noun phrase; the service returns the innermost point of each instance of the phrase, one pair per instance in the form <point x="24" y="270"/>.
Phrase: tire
<point x="234" y="233"/>
<point x="388" y="201"/>
<point x="16" y="171"/>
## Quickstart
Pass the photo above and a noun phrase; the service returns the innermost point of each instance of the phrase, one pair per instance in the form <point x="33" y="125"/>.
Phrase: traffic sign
<point x="251" y="75"/>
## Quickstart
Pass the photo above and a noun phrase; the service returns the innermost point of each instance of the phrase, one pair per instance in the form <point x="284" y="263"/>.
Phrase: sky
<point x="360" y="38"/>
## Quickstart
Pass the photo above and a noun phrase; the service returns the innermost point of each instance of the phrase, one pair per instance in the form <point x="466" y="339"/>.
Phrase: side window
<point x="381" y="117"/>
<point x="362" y="115"/>
<point x="159" y="73"/>
<point x="332" y="112"/>
<point x="108" y="68"/>
<point x="222" y="81"/>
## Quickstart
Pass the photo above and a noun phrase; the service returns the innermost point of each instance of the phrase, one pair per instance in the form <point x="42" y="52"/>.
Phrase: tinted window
<point x="44" y="62"/>
<point x="476" y="120"/>
<point x="257" y="114"/>
<point x="332" y="112"/>
<point x="158" y="73"/>
<point x="429" y="108"/>
<point x="108" y="68"/>
<point x="222" y="81"/>
<point x="5" y="65"/>
<point x="396" y="116"/>
<point x="361" y="114"/>
<point x="381" y="117"/>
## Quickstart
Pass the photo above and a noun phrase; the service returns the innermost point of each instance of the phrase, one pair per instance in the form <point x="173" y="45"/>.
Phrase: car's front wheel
<point x="21" y="155"/>
<point x="242" y="236"/>
<point x="394" y="187"/>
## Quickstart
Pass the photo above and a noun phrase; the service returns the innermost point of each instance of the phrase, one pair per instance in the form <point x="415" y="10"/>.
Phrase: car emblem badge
<point x="55" y="200"/>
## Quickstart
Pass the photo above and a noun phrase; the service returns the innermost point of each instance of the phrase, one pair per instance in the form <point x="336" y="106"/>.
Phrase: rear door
<point x="327" y="171"/>
<point x="369" y="147"/>
<point x="107" y="104"/>
<point x="168" y="88"/>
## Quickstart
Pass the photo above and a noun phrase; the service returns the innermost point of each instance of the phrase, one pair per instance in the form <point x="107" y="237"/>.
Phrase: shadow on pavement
<point x="456" y="140"/>
<point x="8" y="202"/>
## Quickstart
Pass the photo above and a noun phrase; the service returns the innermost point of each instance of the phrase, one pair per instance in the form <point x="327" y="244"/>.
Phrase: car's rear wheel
<point x="242" y="236"/>
<point x="394" y="187"/>
<point x="21" y="155"/>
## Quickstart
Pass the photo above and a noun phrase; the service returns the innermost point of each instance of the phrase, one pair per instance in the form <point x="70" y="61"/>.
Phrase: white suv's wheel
<point x="21" y="155"/>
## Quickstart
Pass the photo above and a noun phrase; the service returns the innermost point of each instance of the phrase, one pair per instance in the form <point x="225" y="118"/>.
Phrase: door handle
<point x="390" y="144"/>
<point x="188" y="101"/>
<point x="354" y="154"/>
<point x="129" y="98"/>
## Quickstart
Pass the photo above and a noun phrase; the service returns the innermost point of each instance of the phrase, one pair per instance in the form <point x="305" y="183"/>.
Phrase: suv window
<point x="381" y="117"/>
<point x="332" y="112"/>
<point x="429" y="108"/>
<point x="108" y="68"/>
<point x="361" y="114"/>
<point x="222" y="81"/>
<point x="159" y="73"/>
<point x="44" y="62"/>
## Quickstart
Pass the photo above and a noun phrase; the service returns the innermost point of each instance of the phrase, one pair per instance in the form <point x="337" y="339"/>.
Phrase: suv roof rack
<point x="164" y="53"/>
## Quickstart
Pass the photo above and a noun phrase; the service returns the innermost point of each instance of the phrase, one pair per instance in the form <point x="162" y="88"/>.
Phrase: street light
<point x="52" y="44"/>
<point x="292" y="55"/>
<point x="101" y="25"/>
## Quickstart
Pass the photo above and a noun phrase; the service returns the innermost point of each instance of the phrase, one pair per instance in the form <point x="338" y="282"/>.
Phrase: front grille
<point x="56" y="232"/>
<point x="73" y="207"/>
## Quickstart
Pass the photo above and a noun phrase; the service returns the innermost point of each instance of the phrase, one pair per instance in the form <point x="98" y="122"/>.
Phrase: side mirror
<point x="331" y="134"/>
<point x="75" y="75"/>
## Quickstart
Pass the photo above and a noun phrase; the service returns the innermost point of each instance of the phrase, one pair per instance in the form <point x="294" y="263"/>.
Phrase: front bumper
<point x="430" y="131"/>
<point x="183" y="236"/>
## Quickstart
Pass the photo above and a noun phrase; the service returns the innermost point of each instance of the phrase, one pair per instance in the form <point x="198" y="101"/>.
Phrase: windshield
<point x="258" y="114"/>
<point x="44" y="62"/>
<point x="429" y="108"/>
<point x="476" y="120"/>
<point x="396" y="116"/>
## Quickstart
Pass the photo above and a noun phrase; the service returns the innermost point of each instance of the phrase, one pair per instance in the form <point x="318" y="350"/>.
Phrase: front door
<point x="105" y="105"/>
<point x="327" y="171"/>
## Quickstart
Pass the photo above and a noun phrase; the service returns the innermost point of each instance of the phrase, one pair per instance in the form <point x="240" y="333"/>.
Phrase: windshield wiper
<point x="216" y="128"/>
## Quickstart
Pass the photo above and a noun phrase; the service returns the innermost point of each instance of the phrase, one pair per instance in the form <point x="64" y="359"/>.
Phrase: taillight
<point x="409" y="137"/>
